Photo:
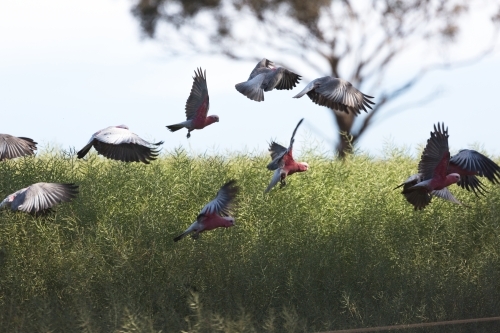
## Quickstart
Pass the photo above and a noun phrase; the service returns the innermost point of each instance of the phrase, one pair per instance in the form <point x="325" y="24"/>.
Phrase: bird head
<point x="453" y="177"/>
<point x="229" y="221"/>
<point x="215" y="118"/>
<point x="303" y="166"/>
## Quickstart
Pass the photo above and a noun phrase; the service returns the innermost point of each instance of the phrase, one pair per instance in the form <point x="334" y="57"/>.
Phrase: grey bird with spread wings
<point x="266" y="77"/>
<point x="39" y="198"/>
<point x="119" y="143"/>
<point x="336" y="94"/>
<point x="13" y="147"/>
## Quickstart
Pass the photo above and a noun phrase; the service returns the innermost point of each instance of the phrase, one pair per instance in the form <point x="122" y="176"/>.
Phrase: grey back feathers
<point x="266" y="77"/>
<point x="119" y="143"/>
<point x="40" y="197"/>
<point x="337" y="94"/>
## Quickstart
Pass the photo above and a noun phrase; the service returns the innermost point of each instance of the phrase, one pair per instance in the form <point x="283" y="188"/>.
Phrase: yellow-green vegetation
<point x="336" y="248"/>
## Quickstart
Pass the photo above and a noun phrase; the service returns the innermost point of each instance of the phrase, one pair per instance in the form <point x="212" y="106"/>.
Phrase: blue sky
<point x="70" y="68"/>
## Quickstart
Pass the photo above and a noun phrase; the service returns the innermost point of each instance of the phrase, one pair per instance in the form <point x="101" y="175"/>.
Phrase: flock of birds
<point x="436" y="169"/>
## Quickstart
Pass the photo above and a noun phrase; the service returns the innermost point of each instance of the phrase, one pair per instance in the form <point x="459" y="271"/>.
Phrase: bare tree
<point x="366" y="37"/>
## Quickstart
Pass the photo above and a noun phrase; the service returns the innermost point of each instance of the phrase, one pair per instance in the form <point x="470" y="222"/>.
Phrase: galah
<point x="119" y="143"/>
<point x="437" y="171"/>
<point x="12" y="146"/>
<point x="283" y="163"/>
<point x="266" y="77"/>
<point x="336" y="94"/>
<point x="39" y="198"/>
<point x="197" y="106"/>
<point x="215" y="214"/>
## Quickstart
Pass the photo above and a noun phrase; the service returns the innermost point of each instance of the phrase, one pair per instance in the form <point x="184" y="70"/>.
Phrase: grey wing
<point x="277" y="152"/>
<point x="261" y="67"/>
<point x="40" y="197"/>
<point x="434" y="151"/>
<point x="340" y="95"/>
<point x="128" y="152"/>
<point x="13" y="147"/>
<point x="281" y="79"/>
<point x="411" y="181"/>
<point x="276" y="178"/>
<point x="467" y="161"/>
<point x="224" y="200"/>
<point x="198" y="100"/>
<point x="445" y="194"/>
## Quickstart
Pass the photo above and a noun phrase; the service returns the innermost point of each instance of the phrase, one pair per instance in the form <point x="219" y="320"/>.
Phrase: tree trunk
<point x="346" y="140"/>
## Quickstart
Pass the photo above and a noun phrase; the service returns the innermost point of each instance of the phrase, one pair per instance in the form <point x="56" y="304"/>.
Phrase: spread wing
<point x="445" y="194"/>
<point x="12" y="147"/>
<point x="436" y="155"/>
<point x="340" y="95"/>
<point x="278" y="152"/>
<point x="276" y="178"/>
<point x="40" y="197"/>
<point x="197" y="104"/>
<point x="282" y="79"/>
<point x="224" y="201"/>
<point x="469" y="163"/>
<point x="121" y="144"/>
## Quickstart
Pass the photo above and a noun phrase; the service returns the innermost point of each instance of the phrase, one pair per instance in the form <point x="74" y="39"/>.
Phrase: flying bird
<point x="437" y="170"/>
<point x="266" y="77"/>
<point x="119" y="143"/>
<point x="215" y="214"/>
<point x="39" y="198"/>
<point x="12" y="147"/>
<point x="283" y="163"/>
<point x="336" y="94"/>
<point x="197" y="106"/>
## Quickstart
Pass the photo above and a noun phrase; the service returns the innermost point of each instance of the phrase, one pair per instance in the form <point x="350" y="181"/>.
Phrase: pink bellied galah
<point x="39" y="198"/>
<point x="197" y="106"/>
<point x="437" y="170"/>
<point x="215" y="214"/>
<point x="266" y="77"/>
<point x="12" y="146"/>
<point x="336" y="94"/>
<point x="119" y="143"/>
<point x="283" y="163"/>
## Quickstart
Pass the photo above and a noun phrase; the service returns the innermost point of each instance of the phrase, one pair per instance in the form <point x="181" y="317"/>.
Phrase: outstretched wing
<point x="224" y="201"/>
<point x="469" y="163"/>
<point x="119" y="143"/>
<point x="40" y="197"/>
<point x="340" y="95"/>
<point x="12" y="147"/>
<point x="444" y="193"/>
<point x="278" y="152"/>
<point x="197" y="104"/>
<point x="436" y="155"/>
<point x="419" y="198"/>
<point x="281" y="79"/>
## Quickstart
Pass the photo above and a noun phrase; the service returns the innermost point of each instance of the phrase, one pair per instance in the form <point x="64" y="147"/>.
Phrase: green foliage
<point x="336" y="248"/>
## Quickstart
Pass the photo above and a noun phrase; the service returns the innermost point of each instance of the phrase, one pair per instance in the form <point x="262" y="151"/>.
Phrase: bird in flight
<point x="336" y="94"/>
<point x="215" y="214"/>
<point x="39" y="198"/>
<point x="266" y="77"/>
<point x="437" y="170"/>
<point x="197" y="106"/>
<point x="283" y="163"/>
<point x="119" y="143"/>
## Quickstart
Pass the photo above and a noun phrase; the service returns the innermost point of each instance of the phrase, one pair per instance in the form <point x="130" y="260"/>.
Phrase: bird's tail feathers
<point x="252" y="88"/>
<point x="175" y="127"/>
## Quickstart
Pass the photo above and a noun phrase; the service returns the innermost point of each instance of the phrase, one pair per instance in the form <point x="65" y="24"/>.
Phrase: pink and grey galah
<point x="437" y="170"/>
<point x="266" y="77"/>
<point x="13" y="147"/>
<point x="215" y="214"/>
<point x="336" y="94"/>
<point x="283" y="163"/>
<point x="39" y="198"/>
<point x="119" y="143"/>
<point x="197" y="106"/>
